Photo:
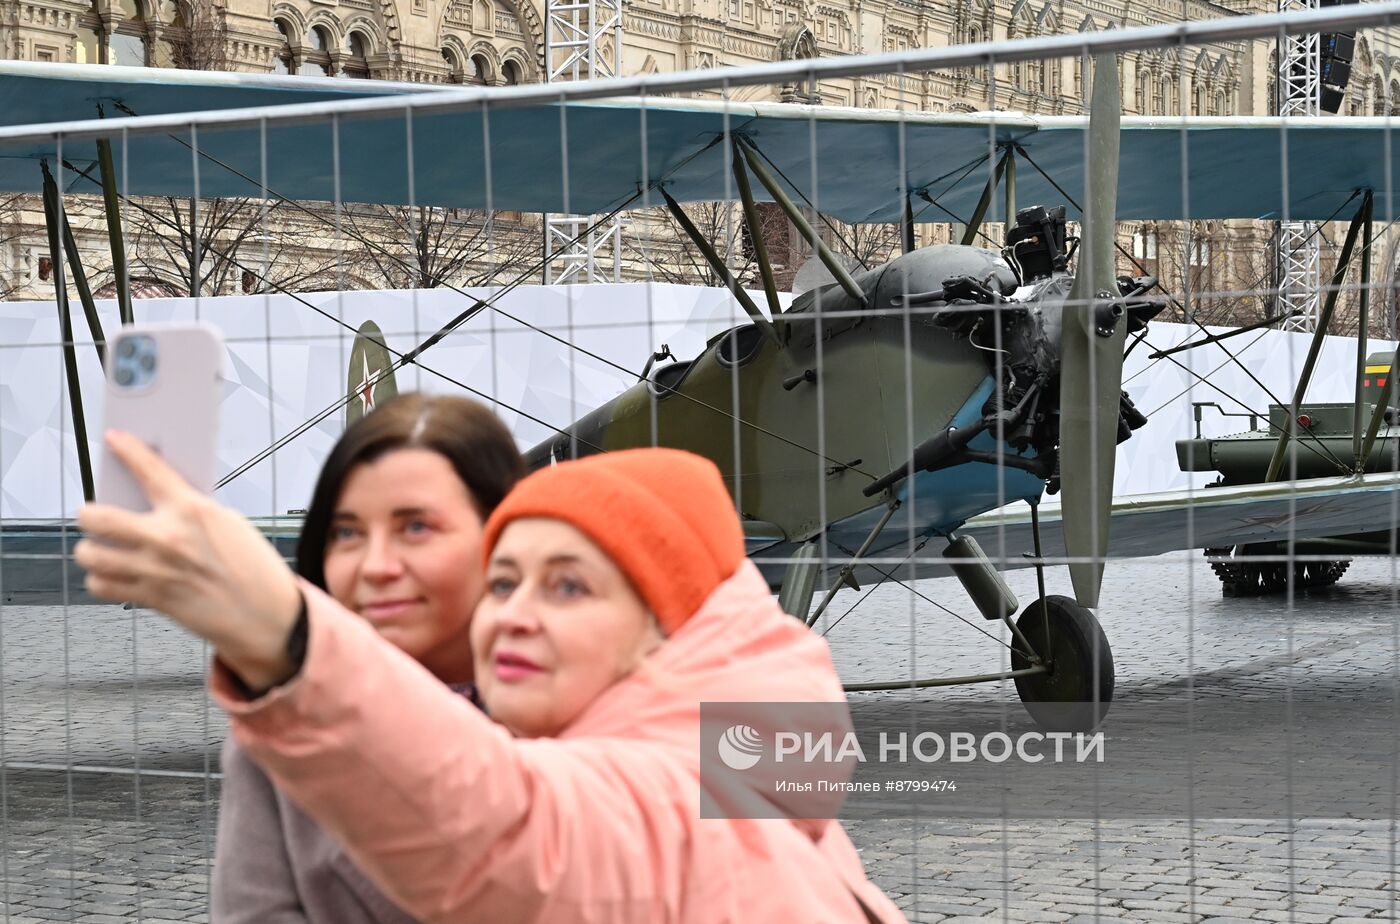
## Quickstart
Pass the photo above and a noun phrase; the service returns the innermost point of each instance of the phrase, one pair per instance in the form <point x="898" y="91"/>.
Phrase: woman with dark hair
<point x="393" y="533"/>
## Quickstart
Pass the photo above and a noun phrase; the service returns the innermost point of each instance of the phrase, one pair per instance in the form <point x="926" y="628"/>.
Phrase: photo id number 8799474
<point x="921" y="786"/>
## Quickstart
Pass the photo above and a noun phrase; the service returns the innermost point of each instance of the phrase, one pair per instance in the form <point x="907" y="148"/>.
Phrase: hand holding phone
<point x="169" y="546"/>
<point x="164" y="385"/>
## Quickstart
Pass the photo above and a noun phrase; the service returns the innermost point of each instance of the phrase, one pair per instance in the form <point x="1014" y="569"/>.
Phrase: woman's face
<point x="559" y="624"/>
<point x="404" y="552"/>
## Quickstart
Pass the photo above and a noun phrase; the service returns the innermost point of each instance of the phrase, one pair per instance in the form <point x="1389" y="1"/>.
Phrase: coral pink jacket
<point x="459" y="822"/>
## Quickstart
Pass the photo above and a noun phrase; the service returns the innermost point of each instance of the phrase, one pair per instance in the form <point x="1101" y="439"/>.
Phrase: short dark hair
<point x="477" y="445"/>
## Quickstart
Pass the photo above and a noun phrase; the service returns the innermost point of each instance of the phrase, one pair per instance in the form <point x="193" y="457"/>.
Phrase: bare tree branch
<point x="198" y="39"/>
<point x="227" y="245"/>
<point x="397" y="247"/>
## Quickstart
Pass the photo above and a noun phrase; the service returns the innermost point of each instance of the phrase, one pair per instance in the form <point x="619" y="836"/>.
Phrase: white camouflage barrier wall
<point x="528" y="373"/>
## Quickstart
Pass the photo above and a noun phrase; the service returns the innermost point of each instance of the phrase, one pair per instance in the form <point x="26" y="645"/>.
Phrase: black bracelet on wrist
<point x="295" y="650"/>
<point x="296" y="641"/>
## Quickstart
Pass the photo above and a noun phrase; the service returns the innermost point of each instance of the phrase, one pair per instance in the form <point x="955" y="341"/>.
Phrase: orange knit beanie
<point x="662" y="515"/>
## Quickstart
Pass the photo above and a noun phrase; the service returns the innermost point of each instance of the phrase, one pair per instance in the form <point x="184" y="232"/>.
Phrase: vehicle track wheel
<point x="1240" y="577"/>
<point x="1321" y="573"/>
<point x="1075" y="694"/>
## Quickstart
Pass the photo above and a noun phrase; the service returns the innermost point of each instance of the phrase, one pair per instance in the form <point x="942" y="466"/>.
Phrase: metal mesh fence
<point x="978" y="384"/>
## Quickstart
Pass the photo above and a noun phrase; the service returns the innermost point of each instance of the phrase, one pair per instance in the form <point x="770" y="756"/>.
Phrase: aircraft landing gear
<point x="1074" y="692"/>
<point x="1060" y="659"/>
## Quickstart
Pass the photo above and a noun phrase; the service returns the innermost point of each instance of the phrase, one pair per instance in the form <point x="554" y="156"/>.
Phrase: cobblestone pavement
<point x="93" y="846"/>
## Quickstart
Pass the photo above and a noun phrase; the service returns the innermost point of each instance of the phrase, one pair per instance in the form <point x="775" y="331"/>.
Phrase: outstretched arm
<point x="451" y="816"/>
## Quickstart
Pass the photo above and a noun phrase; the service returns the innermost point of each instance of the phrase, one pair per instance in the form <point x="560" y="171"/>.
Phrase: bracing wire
<point x="480" y="304"/>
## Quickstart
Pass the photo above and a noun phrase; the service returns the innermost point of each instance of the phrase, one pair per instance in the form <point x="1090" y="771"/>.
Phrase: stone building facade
<point x="497" y="42"/>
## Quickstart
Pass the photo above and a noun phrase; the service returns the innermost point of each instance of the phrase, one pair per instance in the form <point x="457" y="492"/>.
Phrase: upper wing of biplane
<point x="620" y="152"/>
<point x="37" y="93"/>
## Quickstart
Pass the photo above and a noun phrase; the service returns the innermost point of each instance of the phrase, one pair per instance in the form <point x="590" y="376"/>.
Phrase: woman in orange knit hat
<point x="618" y="599"/>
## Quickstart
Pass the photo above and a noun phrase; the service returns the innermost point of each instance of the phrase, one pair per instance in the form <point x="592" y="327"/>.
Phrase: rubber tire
<point x="1075" y="695"/>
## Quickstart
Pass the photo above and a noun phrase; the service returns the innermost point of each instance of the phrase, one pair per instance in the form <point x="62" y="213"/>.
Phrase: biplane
<point x="890" y="410"/>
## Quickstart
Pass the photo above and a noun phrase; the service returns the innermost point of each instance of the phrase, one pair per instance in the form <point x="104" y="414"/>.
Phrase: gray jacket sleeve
<point x="253" y="882"/>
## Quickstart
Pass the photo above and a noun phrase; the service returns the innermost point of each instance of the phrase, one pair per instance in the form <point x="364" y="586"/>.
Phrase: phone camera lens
<point x="123" y="376"/>
<point x="148" y="362"/>
<point x="127" y="348"/>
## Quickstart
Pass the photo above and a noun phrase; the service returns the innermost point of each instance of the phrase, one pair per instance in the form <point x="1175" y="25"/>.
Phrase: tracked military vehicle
<point x="1324" y="445"/>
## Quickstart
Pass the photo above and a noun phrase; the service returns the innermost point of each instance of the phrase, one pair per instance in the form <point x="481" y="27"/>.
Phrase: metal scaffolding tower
<point x="1299" y="82"/>
<point x="582" y="41"/>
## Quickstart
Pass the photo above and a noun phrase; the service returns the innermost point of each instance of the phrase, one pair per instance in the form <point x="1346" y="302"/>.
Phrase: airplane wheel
<point x="1075" y="694"/>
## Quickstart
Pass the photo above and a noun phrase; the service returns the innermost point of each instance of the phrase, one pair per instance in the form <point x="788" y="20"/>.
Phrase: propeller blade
<point x="1091" y="361"/>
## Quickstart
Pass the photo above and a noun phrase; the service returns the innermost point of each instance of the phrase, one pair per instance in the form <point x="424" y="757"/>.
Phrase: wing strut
<point x="1363" y="323"/>
<point x="760" y="245"/>
<point x="57" y="224"/>
<point x="1324" y="320"/>
<point x="974" y="224"/>
<point x="112" y="206"/>
<point x="847" y="576"/>
<point x="720" y="269"/>
<point x="804" y="227"/>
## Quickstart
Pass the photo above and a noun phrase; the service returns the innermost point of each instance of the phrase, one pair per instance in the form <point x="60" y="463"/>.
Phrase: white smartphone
<point x="164" y="385"/>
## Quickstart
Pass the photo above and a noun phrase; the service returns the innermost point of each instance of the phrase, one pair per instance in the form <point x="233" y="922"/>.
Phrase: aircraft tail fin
<point x="370" y="379"/>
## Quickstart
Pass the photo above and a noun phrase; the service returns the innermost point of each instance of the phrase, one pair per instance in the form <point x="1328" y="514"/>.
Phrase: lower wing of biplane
<point x="1291" y="513"/>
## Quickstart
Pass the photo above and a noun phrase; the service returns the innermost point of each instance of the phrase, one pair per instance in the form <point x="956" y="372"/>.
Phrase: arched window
<point x="316" y="56"/>
<point x="177" y="46"/>
<point x="1050" y="77"/>
<point x="282" y="62"/>
<point x="511" y="73"/>
<point x="454" y="65"/>
<point x="356" y="61"/>
<point x="127" y="43"/>
<point x="122" y="40"/>
<point x="798" y="44"/>
<point x="1034" y="75"/>
<point x="480" y="71"/>
<point x="974" y="36"/>
<point x="483" y="18"/>
<point x="1018" y="70"/>
<point x="1024" y="75"/>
